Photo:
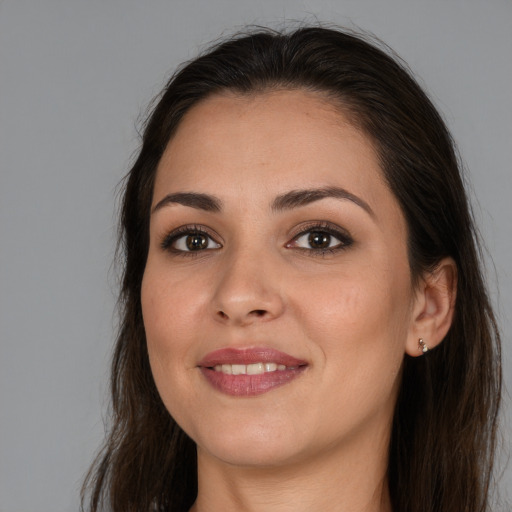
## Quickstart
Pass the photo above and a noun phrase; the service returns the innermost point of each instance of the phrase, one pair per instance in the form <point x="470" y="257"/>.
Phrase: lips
<point x="250" y="372"/>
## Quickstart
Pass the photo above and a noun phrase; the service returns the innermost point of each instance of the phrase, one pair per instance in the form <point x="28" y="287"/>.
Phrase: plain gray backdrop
<point x="75" y="77"/>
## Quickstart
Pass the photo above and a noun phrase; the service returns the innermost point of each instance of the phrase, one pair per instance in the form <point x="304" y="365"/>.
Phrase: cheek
<point x="169" y="307"/>
<point x="167" y="322"/>
<point x="171" y="333"/>
<point x="357" y="319"/>
<point x="359" y="325"/>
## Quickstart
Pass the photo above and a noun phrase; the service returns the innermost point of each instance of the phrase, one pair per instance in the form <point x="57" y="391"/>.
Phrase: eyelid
<point x="170" y="238"/>
<point x="330" y="228"/>
<point x="320" y="225"/>
<point x="338" y="232"/>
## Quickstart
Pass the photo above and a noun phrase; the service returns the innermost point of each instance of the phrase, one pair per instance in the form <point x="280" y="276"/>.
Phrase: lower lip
<point x="250" y="385"/>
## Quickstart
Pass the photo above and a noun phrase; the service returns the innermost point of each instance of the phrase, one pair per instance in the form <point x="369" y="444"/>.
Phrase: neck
<point x="343" y="479"/>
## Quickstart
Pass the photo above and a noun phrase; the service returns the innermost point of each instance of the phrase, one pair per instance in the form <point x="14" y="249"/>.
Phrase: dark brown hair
<point x="444" y="430"/>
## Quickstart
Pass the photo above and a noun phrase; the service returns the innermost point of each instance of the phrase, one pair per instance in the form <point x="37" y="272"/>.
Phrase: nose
<point x="247" y="291"/>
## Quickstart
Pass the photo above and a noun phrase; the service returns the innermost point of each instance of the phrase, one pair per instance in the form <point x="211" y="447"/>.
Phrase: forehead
<point x="237" y="145"/>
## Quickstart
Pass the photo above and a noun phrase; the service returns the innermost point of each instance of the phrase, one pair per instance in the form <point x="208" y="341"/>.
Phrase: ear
<point x="433" y="307"/>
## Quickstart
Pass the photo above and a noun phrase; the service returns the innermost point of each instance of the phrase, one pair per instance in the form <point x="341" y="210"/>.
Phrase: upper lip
<point x="232" y="355"/>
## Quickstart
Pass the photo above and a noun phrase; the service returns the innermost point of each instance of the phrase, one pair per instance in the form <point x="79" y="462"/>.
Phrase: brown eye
<point x="319" y="240"/>
<point x="187" y="240"/>
<point x="196" y="242"/>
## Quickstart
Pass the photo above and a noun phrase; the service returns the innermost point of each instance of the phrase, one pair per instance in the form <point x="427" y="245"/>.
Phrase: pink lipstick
<point x="251" y="371"/>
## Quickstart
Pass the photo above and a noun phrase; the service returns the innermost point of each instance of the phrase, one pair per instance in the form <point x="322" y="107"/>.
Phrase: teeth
<point x="255" y="369"/>
<point x="250" y="369"/>
<point x="238" y="369"/>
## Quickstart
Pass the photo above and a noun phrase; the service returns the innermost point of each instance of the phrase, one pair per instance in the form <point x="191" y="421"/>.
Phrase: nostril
<point x="247" y="316"/>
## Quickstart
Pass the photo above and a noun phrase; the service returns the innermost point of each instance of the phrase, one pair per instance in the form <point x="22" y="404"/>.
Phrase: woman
<point x="305" y="325"/>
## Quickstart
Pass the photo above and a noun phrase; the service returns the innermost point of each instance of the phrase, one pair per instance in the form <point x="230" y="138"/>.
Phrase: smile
<point x="250" y="372"/>
<point x="251" y="369"/>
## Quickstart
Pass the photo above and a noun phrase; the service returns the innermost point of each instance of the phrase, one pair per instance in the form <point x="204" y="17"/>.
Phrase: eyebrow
<point x="192" y="199"/>
<point x="298" y="198"/>
<point x="287" y="201"/>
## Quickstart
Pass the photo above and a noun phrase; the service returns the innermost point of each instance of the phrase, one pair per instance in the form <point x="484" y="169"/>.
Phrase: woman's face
<point x="277" y="296"/>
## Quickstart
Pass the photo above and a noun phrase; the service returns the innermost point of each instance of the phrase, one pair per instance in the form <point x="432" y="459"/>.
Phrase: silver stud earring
<point x="422" y="345"/>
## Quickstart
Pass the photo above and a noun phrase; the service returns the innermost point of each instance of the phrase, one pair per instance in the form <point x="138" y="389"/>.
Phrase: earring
<point x="422" y="345"/>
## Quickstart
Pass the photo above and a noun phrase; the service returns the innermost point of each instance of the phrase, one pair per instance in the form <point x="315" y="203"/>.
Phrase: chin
<point x="260" y="445"/>
<point x="255" y="455"/>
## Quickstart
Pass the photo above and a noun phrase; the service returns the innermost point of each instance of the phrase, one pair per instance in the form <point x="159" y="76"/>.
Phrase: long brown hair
<point x="444" y="430"/>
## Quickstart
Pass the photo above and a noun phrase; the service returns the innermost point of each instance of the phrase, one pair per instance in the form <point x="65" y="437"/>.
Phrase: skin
<point x="319" y="442"/>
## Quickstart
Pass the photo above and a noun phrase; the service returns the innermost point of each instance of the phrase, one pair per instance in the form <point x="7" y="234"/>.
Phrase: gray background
<point x="74" y="78"/>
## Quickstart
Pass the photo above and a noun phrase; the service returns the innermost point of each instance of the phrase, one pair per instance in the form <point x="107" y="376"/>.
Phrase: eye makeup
<point x="316" y="238"/>
<point x="190" y="239"/>
<point x="320" y="238"/>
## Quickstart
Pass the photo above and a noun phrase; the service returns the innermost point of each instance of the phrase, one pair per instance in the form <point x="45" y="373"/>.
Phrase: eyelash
<point x="345" y="240"/>
<point x="169" y="240"/>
